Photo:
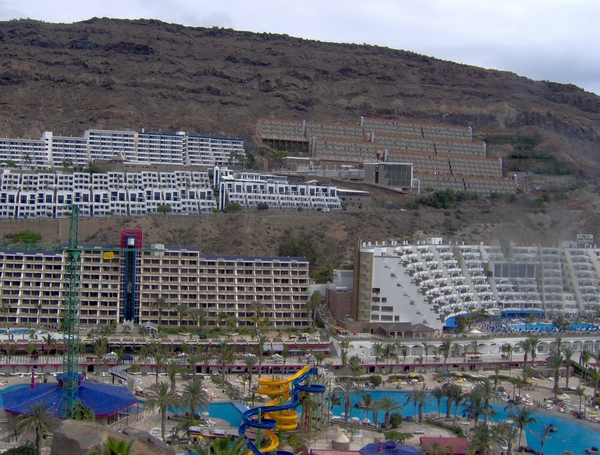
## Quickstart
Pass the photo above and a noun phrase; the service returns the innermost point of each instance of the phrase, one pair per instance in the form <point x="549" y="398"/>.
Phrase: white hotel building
<point x="430" y="283"/>
<point x="45" y="194"/>
<point x="143" y="147"/>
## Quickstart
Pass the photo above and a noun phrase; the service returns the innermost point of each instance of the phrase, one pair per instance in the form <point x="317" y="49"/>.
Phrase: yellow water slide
<point x="279" y="389"/>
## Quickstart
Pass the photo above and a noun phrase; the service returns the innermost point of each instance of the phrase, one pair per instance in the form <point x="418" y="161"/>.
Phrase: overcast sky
<point x="556" y="40"/>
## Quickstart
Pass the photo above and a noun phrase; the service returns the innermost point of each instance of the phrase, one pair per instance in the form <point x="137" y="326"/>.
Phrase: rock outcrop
<point x="80" y="438"/>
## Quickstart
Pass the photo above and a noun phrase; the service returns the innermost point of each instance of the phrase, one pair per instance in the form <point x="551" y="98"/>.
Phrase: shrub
<point x="300" y="209"/>
<point x="375" y="380"/>
<point x="395" y="420"/>
<point x="234" y="207"/>
<point x="262" y="206"/>
<point x="411" y="205"/>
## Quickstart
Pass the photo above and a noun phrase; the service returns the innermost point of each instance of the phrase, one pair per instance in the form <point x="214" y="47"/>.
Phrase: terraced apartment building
<point x="116" y="286"/>
<point x="443" y="156"/>
<point x="432" y="282"/>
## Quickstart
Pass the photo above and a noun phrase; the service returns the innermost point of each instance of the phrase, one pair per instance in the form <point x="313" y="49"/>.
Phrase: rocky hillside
<point x="148" y="74"/>
<point x="116" y="74"/>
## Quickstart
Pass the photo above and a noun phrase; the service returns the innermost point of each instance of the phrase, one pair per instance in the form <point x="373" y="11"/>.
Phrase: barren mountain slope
<point x="147" y="74"/>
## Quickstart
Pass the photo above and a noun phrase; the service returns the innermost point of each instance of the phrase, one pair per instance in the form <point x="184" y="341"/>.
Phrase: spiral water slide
<point x="278" y="413"/>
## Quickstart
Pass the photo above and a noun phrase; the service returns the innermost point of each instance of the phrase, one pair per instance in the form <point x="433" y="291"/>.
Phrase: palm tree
<point x="257" y="308"/>
<point x="260" y="347"/>
<point x="378" y="350"/>
<point x="312" y="304"/>
<point x="250" y="362"/>
<point x="475" y="406"/>
<point x="346" y="388"/>
<point x="404" y="352"/>
<point x="114" y="446"/>
<point x="227" y="353"/>
<point x="419" y="398"/>
<point x="100" y="348"/>
<point x="198" y="315"/>
<point x="524" y="344"/>
<point x="161" y="397"/>
<point x="388" y="405"/>
<point x="425" y="345"/>
<point x="369" y="403"/>
<point x="193" y="360"/>
<point x="159" y="360"/>
<point x="40" y="418"/>
<point x="285" y="354"/>
<point x="593" y="376"/>
<point x="224" y="446"/>
<point x="581" y="394"/>
<point x="523" y="417"/>
<point x="182" y="309"/>
<point x="159" y="304"/>
<point x="568" y="353"/>
<point x="344" y="345"/>
<point x="194" y="398"/>
<point x="546" y="434"/>
<point x="486" y="390"/>
<point x="481" y="442"/>
<point x="453" y="392"/>
<point x="555" y="362"/>
<point x="356" y="366"/>
<point x="507" y="432"/>
<point x="507" y="349"/>
<point x="534" y="342"/>
<point x="173" y="368"/>
<point x="438" y="395"/>
<point x="445" y="349"/>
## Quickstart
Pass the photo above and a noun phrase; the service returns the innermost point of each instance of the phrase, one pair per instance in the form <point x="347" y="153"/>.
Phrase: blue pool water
<point x="570" y="435"/>
<point x="544" y="327"/>
<point x="230" y="412"/>
<point x="11" y="388"/>
<point x="20" y="331"/>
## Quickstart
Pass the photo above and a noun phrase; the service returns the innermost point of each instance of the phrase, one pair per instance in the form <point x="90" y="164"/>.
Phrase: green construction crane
<point x="71" y="318"/>
<point x="70" y="312"/>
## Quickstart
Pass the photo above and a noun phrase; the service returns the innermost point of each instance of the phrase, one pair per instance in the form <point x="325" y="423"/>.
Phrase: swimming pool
<point x="11" y="388"/>
<point x="20" y="331"/>
<point x="548" y="327"/>
<point x="571" y="435"/>
<point x="230" y="412"/>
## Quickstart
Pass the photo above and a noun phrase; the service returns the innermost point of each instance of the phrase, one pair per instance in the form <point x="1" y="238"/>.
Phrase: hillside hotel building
<point x="118" y="286"/>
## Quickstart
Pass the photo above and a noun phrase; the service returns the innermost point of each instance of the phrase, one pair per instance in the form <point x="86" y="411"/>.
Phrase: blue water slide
<point x="268" y="424"/>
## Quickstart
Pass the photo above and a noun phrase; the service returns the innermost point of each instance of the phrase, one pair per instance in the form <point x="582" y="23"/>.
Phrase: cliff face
<point x="148" y="74"/>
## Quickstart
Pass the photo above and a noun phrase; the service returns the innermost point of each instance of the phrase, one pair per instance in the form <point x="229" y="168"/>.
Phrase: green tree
<point x="27" y="237"/>
<point x="369" y="403"/>
<point x="312" y="304"/>
<point x="40" y="418"/>
<point x="555" y="362"/>
<point x="486" y="390"/>
<point x="475" y="406"/>
<point x="162" y="397"/>
<point x="438" y="394"/>
<point x="227" y="353"/>
<point x="544" y="436"/>
<point x="346" y="388"/>
<point x="223" y="446"/>
<point x="388" y="405"/>
<point x="194" y="398"/>
<point x="160" y="304"/>
<point x="523" y="417"/>
<point x="509" y="433"/>
<point x="173" y="369"/>
<point x="445" y="349"/>
<point x="419" y="398"/>
<point x="164" y="209"/>
<point x="114" y="446"/>
<point x="568" y="353"/>
<point x="481" y="442"/>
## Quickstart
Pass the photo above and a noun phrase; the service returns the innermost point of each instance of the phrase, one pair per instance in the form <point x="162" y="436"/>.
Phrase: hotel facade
<point x="118" y="285"/>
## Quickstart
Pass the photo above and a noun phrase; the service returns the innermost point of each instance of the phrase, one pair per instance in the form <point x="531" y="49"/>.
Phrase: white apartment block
<point x="34" y="195"/>
<point x="32" y="287"/>
<point x="250" y="189"/>
<point x="431" y="282"/>
<point x="142" y="147"/>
